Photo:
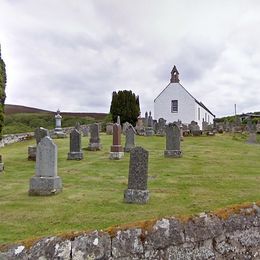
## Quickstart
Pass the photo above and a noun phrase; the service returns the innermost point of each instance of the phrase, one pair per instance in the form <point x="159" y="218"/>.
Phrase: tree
<point x="2" y="93"/>
<point x="126" y="105"/>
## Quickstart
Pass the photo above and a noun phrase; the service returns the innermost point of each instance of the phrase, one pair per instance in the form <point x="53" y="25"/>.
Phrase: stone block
<point x="75" y="155"/>
<point x="173" y="153"/>
<point x="91" y="246"/>
<point x="45" y="186"/>
<point x="116" y="155"/>
<point x="136" y="196"/>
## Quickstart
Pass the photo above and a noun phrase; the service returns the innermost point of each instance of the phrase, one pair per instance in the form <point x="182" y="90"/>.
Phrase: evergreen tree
<point x="126" y="105"/>
<point x="2" y="93"/>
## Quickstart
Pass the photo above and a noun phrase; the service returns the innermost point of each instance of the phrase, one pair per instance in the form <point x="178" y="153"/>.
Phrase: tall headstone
<point x="1" y="164"/>
<point x="149" y="129"/>
<point x="146" y="119"/>
<point x="94" y="141"/>
<point x="46" y="180"/>
<point x="161" y="127"/>
<point x="75" y="146"/>
<point x="58" y="131"/>
<point x="116" y="150"/>
<point x="173" y="141"/>
<point x="129" y="138"/>
<point x="138" y="175"/>
<point x="39" y="133"/>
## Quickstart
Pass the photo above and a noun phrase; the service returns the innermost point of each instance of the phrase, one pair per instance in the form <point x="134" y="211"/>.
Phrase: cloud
<point x="74" y="54"/>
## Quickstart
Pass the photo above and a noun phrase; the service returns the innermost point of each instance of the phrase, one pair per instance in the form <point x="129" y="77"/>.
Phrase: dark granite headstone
<point x="137" y="179"/>
<point x="173" y="141"/>
<point x="75" y="146"/>
<point x="94" y="141"/>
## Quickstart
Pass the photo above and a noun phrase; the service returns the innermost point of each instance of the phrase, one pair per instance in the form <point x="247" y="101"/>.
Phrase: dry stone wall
<point x="207" y="236"/>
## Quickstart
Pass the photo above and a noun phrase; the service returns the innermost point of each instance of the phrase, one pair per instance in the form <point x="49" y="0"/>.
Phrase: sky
<point x="72" y="54"/>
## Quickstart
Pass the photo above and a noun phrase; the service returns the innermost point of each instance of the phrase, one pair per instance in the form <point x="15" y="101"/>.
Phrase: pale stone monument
<point x="58" y="132"/>
<point x="94" y="141"/>
<point x="46" y="180"/>
<point x="173" y="141"/>
<point x="75" y="146"/>
<point x="138" y="175"/>
<point x="109" y="128"/>
<point x="116" y="150"/>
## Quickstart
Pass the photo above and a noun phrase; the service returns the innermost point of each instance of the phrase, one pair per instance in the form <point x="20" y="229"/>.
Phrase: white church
<point x="176" y="103"/>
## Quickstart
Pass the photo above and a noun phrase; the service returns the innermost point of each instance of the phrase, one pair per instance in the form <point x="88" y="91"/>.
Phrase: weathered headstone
<point x="75" y="146"/>
<point x="252" y="131"/>
<point x="137" y="179"/>
<point x="140" y="126"/>
<point x="1" y="164"/>
<point x="125" y="126"/>
<point x="94" y="141"/>
<point x="46" y="181"/>
<point x="161" y="127"/>
<point x="195" y="129"/>
<point x="129" y="138"/>
<point x="77" y="126"/>
<point x="39" y="133"/>
<point x="173" y="141"/>
<point x="116" y="150"/>
<point x="109" y="128"/>
<point x="146" y="119"/>
<point x="85" y="130"/>
<point x="149" y="129"/>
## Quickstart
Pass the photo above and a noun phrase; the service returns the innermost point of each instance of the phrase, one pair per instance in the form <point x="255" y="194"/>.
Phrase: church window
<point x="174" y="106"/>
<point x="198" y="113"/>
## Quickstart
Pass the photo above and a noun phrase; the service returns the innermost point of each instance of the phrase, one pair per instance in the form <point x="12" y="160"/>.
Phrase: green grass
<point x="214" y="172"/>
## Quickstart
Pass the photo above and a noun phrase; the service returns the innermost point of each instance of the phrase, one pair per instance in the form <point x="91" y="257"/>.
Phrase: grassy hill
<point x="20" y="119"/>
<point x="213" y="173"/>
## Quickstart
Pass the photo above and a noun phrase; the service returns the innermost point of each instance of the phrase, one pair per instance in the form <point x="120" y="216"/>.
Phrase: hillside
<point x="15" y="109"/>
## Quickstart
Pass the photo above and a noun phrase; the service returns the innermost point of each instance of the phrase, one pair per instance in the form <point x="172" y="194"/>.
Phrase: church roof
<point x="177" y="82"/>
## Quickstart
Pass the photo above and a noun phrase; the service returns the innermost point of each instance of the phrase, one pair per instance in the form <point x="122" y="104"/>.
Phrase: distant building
<point x="176" y="103"/>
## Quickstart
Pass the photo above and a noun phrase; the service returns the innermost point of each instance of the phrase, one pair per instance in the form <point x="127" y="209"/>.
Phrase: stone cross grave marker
<point x="137" y="179"/>
<point x="173" y="141"/>
<point x="116" y="150"/>
<point x="46" y="181"/>
<point x="75" y="152"/>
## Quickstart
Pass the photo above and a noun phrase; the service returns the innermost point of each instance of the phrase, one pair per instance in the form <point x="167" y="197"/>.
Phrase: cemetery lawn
<point x="214" y="172"/>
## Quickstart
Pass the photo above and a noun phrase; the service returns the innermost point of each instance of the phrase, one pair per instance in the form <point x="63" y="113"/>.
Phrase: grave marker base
<point x="45" y="186"/>
<point x="136" y="196"/>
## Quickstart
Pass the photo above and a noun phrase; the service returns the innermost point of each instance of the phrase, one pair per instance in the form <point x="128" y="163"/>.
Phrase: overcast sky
<point x="72" y="54"/>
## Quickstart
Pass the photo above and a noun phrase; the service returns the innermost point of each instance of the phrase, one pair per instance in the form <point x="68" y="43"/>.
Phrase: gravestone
<point x="146" y="119"/>
<point x="58" y="131"/>
<point x="39" y="133"/>
<point x="85" y="130"/>
<point x="1" y="164"/>
<point x="125" y="126"/>
<point x="161" y="127"/>
<point x="173" y="141"/>
<point x="116" y="150"/>
<point x="75" y="146"/>
<point x="137" y="179"/>
<point x="94" y="141"/>
<point x="109" y="128"/>
<point x="77" y="126"/>
<point x="140" y="126"/>
<point x="46" y="181"/>
<point x="195" y="129"/>
<point x="129" y="138"/>
<point x="252" y="131"/>
<point x="149" y="129"/>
